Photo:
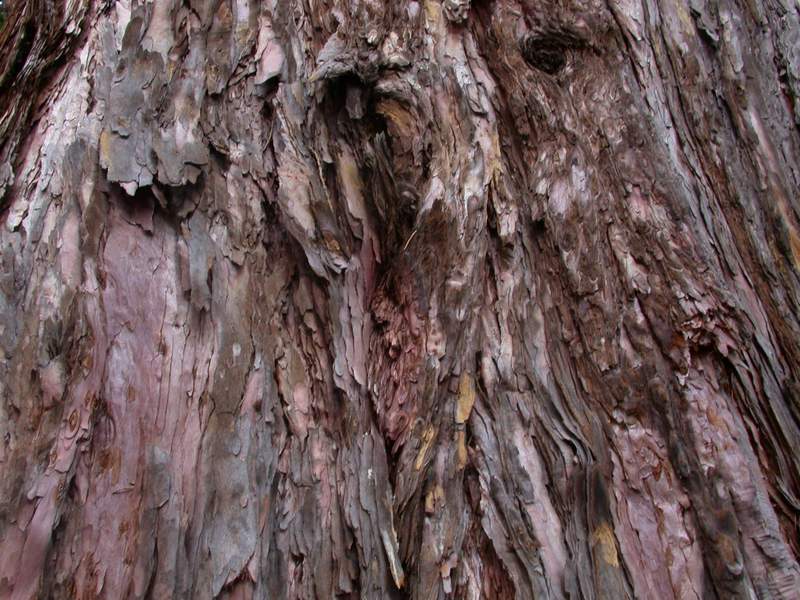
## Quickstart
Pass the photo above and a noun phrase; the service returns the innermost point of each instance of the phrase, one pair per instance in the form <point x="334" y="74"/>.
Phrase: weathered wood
<point x="438" y="299"/>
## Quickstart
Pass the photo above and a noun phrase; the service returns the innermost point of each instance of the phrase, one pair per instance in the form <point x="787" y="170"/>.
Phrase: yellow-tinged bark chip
<point x="608" y="548"/>
<point x="466" y="398"/>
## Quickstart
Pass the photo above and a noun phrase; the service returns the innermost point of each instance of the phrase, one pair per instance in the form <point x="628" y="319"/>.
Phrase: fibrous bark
<point x="415" y="299"/>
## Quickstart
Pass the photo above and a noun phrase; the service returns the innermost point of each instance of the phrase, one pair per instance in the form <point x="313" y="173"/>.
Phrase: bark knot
<point x="548" y="51"/>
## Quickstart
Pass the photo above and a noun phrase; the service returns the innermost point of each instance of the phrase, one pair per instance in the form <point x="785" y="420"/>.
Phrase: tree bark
<point x="415" y="299"/>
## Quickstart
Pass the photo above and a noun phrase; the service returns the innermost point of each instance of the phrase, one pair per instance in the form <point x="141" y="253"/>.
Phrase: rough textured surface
<point x="347" y="298"/>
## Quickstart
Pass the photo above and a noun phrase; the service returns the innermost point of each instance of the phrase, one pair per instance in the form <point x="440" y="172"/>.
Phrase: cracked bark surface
<point x="362" y="299"/>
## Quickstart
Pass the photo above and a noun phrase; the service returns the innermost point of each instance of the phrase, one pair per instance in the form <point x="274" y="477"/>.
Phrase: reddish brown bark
<point x="413" y="299"/>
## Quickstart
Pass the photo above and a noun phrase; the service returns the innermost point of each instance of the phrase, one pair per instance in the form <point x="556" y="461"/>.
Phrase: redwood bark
<point x="415" y="299"/>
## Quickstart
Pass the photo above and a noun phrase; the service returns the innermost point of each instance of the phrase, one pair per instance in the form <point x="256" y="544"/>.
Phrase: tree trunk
<point x="411" y="299"/>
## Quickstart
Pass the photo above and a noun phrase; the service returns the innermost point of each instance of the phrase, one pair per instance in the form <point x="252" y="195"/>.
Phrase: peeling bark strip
<point x="415" y="299"/>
